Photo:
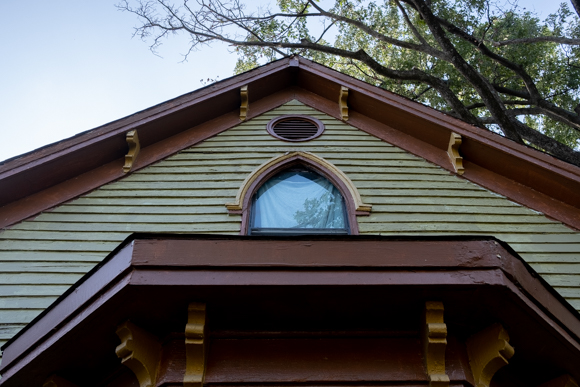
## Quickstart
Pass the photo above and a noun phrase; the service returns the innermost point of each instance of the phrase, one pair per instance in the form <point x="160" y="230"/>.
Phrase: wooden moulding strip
<point x="197" y="261"/>
<point x="70" y="189"/>
<point x="518" y="159"/>
<point x="123" y="125"/>
<point x="526" y="182"/>
<point x="63" y="310"/>
<point x="56" y="163"/>
<point x="494" y="181"/>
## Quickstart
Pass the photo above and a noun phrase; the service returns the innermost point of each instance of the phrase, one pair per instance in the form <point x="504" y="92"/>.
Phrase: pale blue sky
<point x="67" y="66"/>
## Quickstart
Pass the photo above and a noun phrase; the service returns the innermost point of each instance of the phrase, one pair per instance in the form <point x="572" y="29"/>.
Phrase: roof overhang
<point x="297" y="284"/>
<point x="44" y="178"/>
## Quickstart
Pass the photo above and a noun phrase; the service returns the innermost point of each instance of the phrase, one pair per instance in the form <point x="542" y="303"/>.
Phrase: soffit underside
<point x="142" y="269"/>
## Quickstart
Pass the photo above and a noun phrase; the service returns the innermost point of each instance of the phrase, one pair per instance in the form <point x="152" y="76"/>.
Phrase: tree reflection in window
<point x="298" y="202"/>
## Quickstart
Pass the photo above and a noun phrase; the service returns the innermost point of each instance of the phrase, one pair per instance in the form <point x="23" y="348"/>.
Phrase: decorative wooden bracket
<point x="562" y="381"/>
<point x="195" y="346"/>
<point x="342" y="102"/>
<point x="488" y="351"/>
<point x="140" y="351"/>
<point x="245" y="106"/>
<point x="434" y="344"/>
<point x="134" y="148"/>
<point x="453" y="152"/>
<point x="57" y="381"/>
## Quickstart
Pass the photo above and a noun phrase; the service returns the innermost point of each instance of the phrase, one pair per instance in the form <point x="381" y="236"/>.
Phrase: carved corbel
<point x="342" y="102"/>
<point x="195" y="346"/>
<point x="134" y="148"/>
<point x="57" y="381"/>
<point x="453" y="152"/>
<point x="562" y="381"/>
<point x="245" y="105"/>
<point x="488" y="351"/>
<point x="434" y="344"/>
<point x="140" y="351"/>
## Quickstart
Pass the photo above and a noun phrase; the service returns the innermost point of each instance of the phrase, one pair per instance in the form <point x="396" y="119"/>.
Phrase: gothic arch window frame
<point x="353" y="203"/>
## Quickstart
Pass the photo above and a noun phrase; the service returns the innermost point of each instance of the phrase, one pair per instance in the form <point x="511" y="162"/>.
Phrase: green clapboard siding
<point x="186" y="193"/>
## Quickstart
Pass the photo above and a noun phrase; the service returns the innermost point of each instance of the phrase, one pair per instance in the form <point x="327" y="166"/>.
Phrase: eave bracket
<point x="434" y="344"/>
<point x="134" y="148"/>
<point x="140" y="351"/>
<point x="195" y="346"/>
<point x="488" y="351"/>
<point x="245" y="105"/>
<point x="342" y="103"/>
<point x="453" y="152"/>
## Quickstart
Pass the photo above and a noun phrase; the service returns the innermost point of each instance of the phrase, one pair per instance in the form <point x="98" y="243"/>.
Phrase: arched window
<point x="298" y="201"/>
<point x="298" y="193"/>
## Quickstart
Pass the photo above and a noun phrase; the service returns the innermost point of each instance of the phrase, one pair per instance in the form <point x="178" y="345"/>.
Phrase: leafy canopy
<point x="494" y="65"/>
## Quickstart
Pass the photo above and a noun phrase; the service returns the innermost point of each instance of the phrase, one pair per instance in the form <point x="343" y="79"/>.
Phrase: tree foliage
<point x="496" y="67"/>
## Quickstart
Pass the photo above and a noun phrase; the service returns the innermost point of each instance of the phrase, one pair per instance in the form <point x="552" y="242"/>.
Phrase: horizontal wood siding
<point x="185" y="193"/>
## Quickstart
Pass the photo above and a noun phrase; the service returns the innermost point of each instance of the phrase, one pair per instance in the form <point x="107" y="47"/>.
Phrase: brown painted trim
<point x="492" y="180"/>
<point x="522" y="174"/>
<point x="522" y="164"/>
<point x="108" y="278"/>
<point x="25" y="175"/>
<point x="461" y="263"/>
<point x="35" y="204"/>
<point x="289" y="163"/>
<point x="406" y="254"/>
<point x="379" y="130"/>
<point x="163" y="108"/>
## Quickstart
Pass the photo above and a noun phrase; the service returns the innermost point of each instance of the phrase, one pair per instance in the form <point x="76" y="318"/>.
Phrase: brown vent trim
<point x="295" y="128"/>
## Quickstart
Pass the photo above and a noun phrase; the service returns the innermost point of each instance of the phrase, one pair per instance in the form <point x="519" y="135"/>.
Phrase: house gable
<point x="187" y="193"/>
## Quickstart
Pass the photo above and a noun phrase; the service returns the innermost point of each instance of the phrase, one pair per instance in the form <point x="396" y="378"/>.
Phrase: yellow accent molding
<point x="562" y="381"/>
<point x="307" y="156"/>
<point x="57" y="381"/>
<point x="453" y="152"/>
<point x="488" y="351"/>
<point x="245" y="105"/>
<point x="140" y="351"/>
<point x="434" y="344"/>
<point x="134" y="148"/>
<point x="342" y="102"/>
<point x="195" y="346"/>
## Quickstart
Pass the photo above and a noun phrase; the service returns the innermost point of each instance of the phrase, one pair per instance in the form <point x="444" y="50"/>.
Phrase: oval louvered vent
<point x="295" y="128"/>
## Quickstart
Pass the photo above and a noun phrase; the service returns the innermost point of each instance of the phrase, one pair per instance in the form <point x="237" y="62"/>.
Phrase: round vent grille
<point x="295" y="128"/>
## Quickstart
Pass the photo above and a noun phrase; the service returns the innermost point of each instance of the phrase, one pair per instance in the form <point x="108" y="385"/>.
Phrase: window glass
<point x="298" y="199"/>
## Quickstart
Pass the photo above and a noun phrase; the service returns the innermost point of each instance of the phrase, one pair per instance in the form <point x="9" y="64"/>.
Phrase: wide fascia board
<point x="524" y="175"/>
<point x="161" y="260"/>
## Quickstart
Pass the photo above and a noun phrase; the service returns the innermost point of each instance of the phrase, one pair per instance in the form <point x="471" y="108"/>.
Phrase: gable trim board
<point x="186" y="193"/>
<point x="187" y="172"/>
<point x="484" y="268"/>
<point x="57" y="173"/>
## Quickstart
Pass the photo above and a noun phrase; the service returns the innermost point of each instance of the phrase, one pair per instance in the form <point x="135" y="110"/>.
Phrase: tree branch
<point x="538" y="39"/>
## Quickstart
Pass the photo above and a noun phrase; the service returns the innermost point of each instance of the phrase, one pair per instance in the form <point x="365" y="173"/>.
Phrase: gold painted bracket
<point x="236" y="206"/>
<point x="488" y="350"/>
<point x="342" y="99"/>
<point x="562" y="381"/>
<point x="195" y="346"/>
<point x="434" y="344"/>
<point x="57" y="381"/>
<point x="140" y="351"/>
<point x="245" y="105"/>
<point x="453" y="152"/>
<point x="134" y="148"/>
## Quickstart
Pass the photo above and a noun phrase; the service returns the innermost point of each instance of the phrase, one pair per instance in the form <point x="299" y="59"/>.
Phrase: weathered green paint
<point x="186" y="193"/>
